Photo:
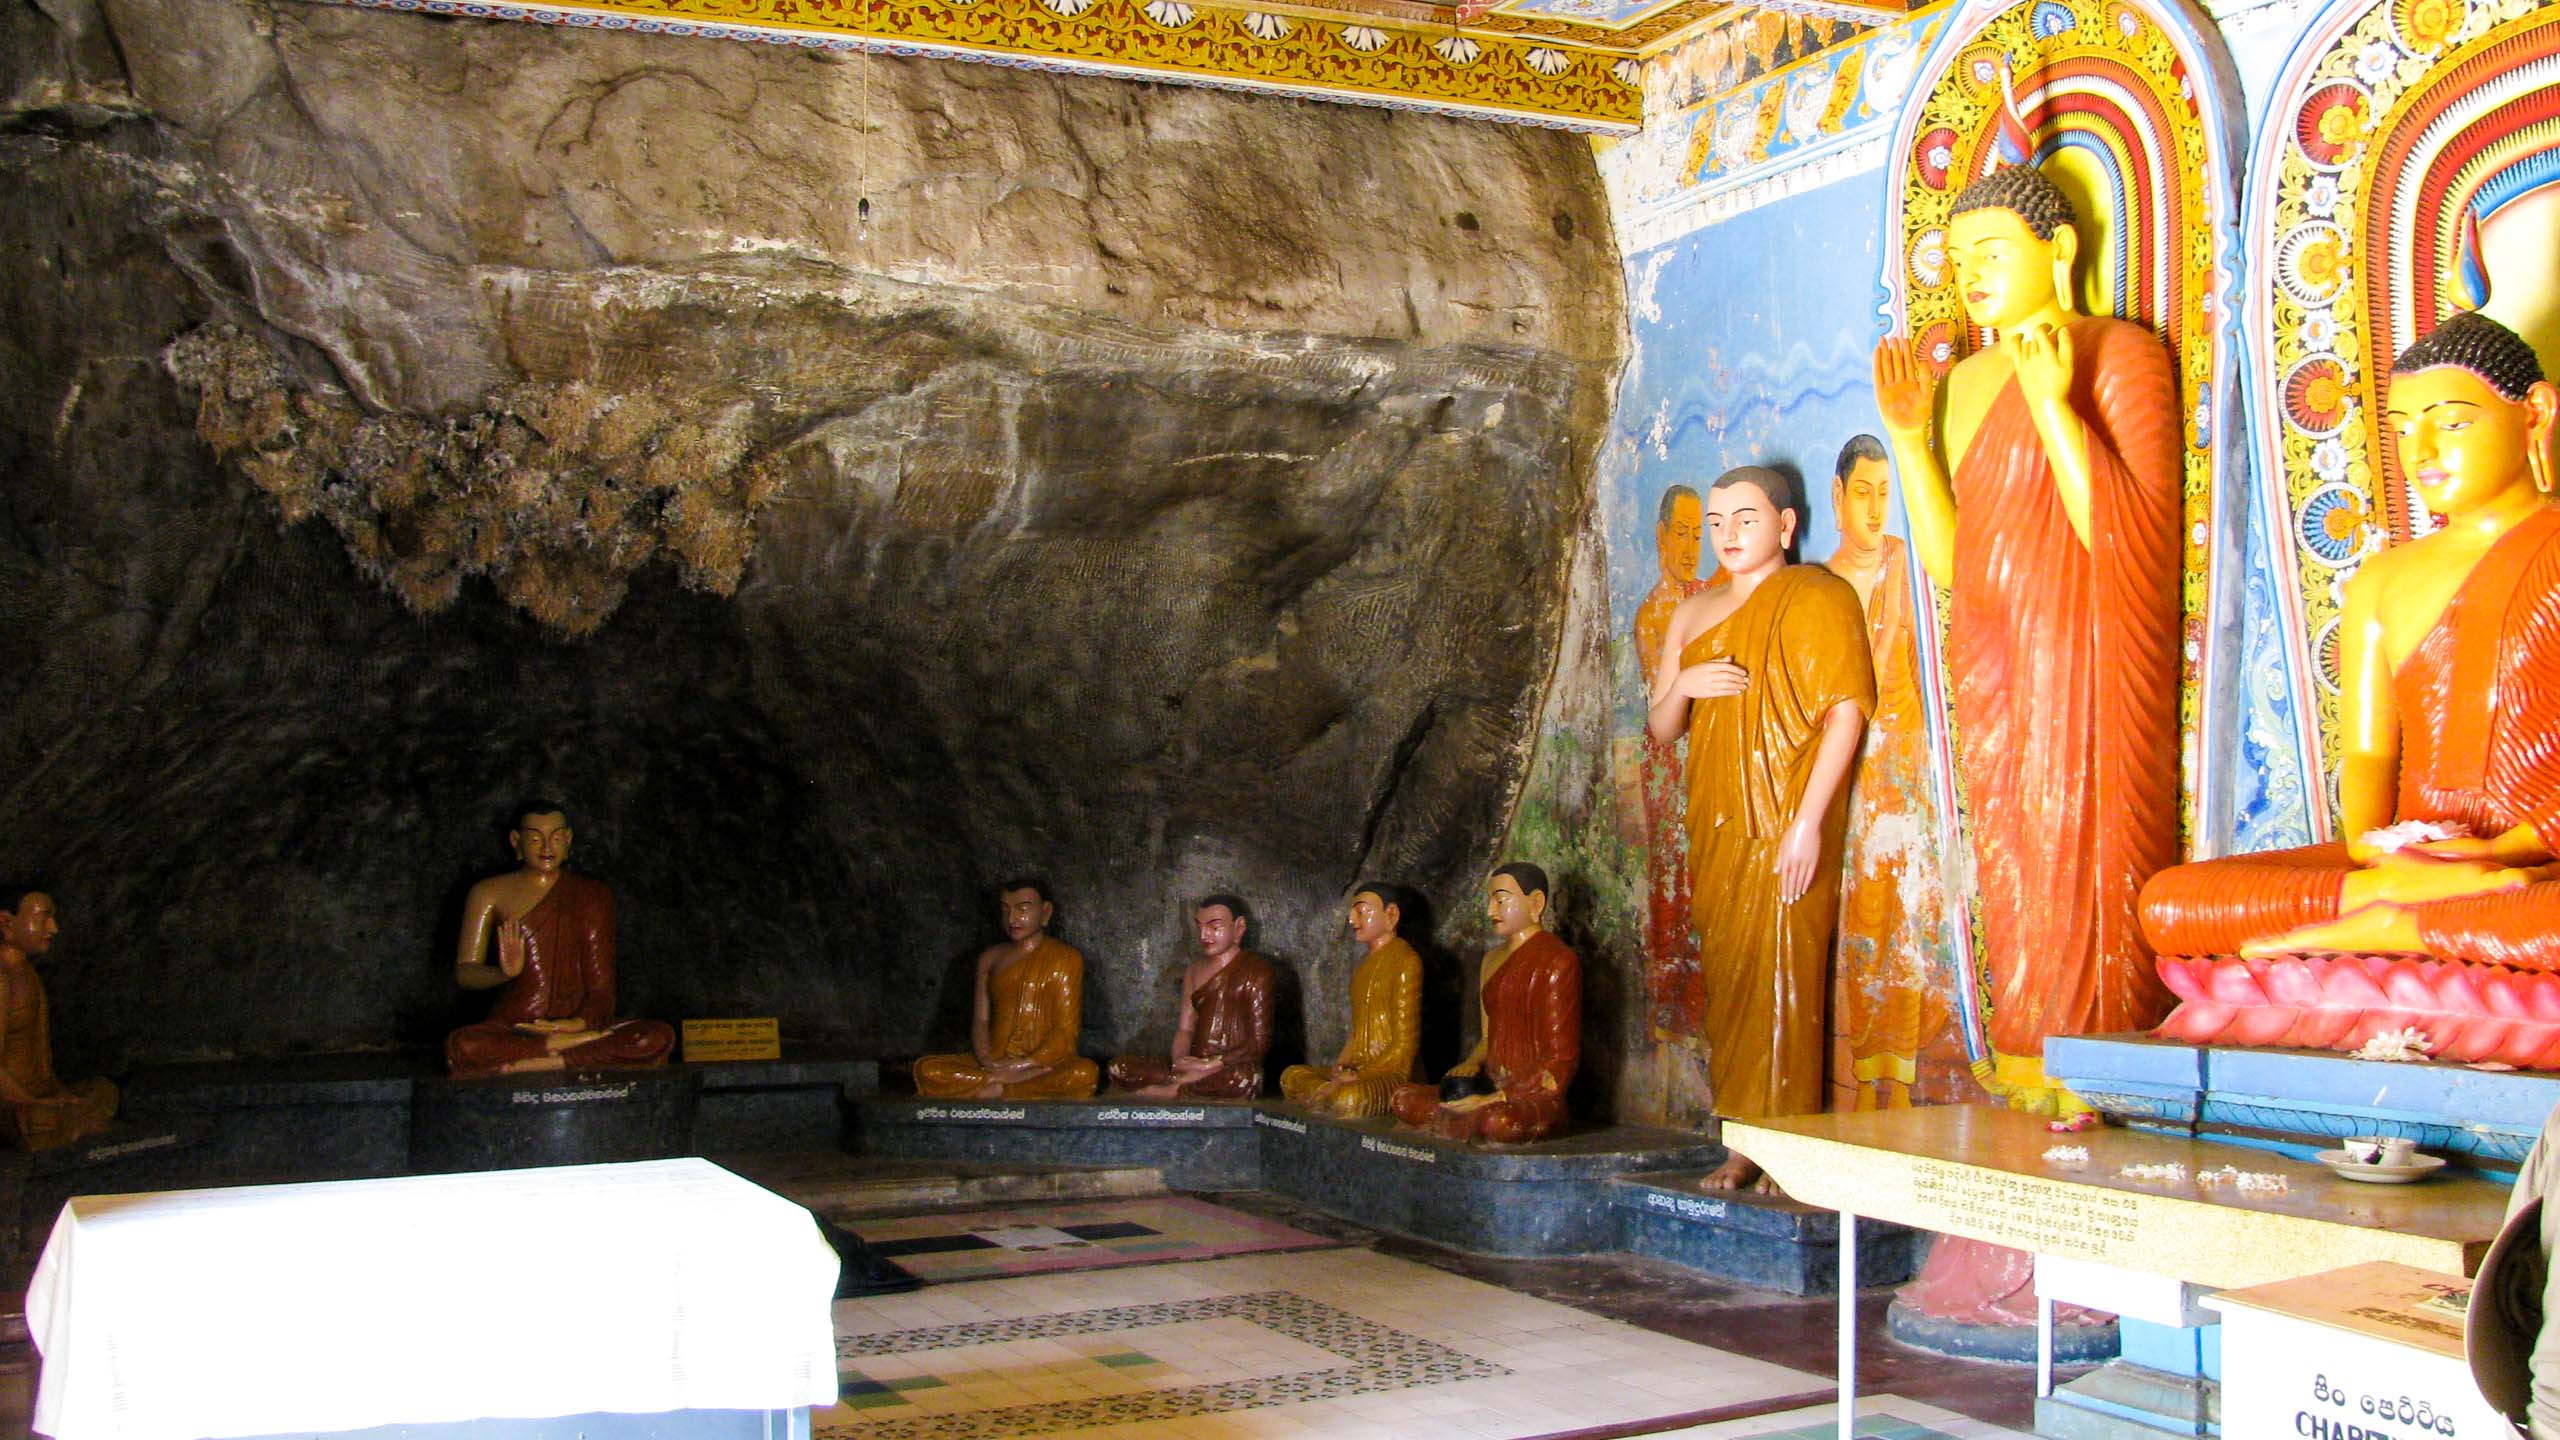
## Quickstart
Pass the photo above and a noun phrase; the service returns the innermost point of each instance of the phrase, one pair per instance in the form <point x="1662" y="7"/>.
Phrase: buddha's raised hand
<point x="1906" y="389"/>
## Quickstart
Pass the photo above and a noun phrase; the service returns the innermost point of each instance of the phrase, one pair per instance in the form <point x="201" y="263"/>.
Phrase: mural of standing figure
<point x="2063" y="563"/>
<point x="1896" y="983"/>
<point x="1769" y="678"/>
<point x="1677" y="996"/>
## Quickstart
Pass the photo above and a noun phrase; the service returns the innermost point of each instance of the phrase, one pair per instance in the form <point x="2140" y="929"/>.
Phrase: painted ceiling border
<point x="1167" y="41"/>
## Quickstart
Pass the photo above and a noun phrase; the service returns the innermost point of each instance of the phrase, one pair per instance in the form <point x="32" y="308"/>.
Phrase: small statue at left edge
<point x="38" y="1111"/>
<point x="555" y="958"/>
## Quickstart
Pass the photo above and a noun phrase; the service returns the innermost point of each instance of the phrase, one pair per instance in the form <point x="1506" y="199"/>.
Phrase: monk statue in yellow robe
<point x="1025" y="1016"/>
<point x="2449" y="690"/>
<point x="1225" y="1025"/>
<point x="1386" y="1019"/>
<point x="2058" y="537"/>
<point x="37" y="1111"/>
<point x="1895" y="987"/>
<point x="556" y="961"/>
<point x="1530" y="1041"/>
<point x="1769" y="677"/>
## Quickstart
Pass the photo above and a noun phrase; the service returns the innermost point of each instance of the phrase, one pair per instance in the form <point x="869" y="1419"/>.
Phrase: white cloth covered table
<point x="663" y="1285"/>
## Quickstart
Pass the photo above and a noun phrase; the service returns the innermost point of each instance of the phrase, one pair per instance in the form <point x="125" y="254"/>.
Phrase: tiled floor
<point x="1034" y="1238"/>
<point x="1346" y="1344"/>
<point x="1888" y="1417"/>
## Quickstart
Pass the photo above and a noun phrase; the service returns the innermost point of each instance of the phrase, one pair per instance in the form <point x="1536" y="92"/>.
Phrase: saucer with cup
<point x="2380" y="1160"/>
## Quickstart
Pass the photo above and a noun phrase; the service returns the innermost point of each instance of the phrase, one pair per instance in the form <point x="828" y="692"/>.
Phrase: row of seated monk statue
<point x="1026" y="1012"/>
<point x="554" y="971"/>
<point x="1225" y="1025"/>
<point x="2449" y="783"/>
<point x="1771" y="678"/>
<point x="1529" y="1003"/>
<point x="37" y="1111"/>
<point x="1386" y="1018"/>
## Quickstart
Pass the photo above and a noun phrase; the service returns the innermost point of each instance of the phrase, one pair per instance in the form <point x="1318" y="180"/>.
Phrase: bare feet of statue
<point x="2377" y="929"/>
<point x="1735" y="1173"/>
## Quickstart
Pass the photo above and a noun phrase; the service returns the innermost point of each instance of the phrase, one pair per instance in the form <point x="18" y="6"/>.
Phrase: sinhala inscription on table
<point x="2026" y="1213"/>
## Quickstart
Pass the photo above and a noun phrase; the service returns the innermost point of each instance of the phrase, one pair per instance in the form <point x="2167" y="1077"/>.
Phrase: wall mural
<point x="2396" y="126"/>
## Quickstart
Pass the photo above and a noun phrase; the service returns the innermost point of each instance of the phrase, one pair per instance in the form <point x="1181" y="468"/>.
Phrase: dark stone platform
<point x="1196" y="1144"/>
<point x="514" y="1122"/>
<point x="2299" y="1101"/>
<point x="1547" y="1198"/>
<point x="1767" y="1241"/>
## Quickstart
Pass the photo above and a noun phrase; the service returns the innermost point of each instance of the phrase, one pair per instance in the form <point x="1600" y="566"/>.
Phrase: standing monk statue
<point x="1386" y="1019"/>
<point x="1026" y="1012"/>
<point x="1895" y="984"/>
<point x="555" y="958"/>
<point x="1770" y="679"/>
<point x="1225" y="1028"/>
<point x="37" y="1111"/>
<point x="1530" y="1041"/>
<point x="2059" y="540"/>
<point x="2449" y="693"/>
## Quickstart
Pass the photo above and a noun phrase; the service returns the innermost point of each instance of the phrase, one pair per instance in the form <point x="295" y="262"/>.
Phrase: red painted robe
<point x="2065" y="662"/>
<point x="567" y="942"/>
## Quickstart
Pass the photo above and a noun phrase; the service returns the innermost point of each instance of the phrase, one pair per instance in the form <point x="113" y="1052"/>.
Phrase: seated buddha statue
<point x="1386" y="1019"/>
<point x="1225" y="1025"/>
<point x="37" y="1111"/>
<point x="1026" y="1013"/>
<point x="556" y="962"/>
<point x="2449" y="688"/>
<point x="1530" y="1040"/>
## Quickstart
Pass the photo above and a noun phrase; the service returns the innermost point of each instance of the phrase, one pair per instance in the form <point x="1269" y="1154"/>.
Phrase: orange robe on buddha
<point x="2065" y="666"/>
<point x="566" y="947"/>
<point x="1035" y="1012"/>
<point x="1803" y="639"/>
<point x="2479" y="703"/>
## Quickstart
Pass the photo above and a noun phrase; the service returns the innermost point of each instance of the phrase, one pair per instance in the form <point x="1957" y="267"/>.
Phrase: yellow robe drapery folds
<point x="1803" y="639"/>
<point x="1386" y="1033"/>
<point x="1035" y="1011"/>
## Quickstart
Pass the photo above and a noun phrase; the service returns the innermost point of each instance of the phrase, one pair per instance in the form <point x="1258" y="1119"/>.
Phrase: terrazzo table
<point x="665" y="1298"/>
<point x="1981" y="1173"/>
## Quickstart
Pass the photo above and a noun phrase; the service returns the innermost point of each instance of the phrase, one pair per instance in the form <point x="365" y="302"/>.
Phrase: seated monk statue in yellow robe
<point x="1530" y="1042"/>
<point x="1225" y="1025"/>
<point x="1770" y="677"/>
<point x="556" y="962"/>
<point x="37" y="1111"/>
<point x="2449" y="669"/>
<point x="1025" y="1015"/>
<point x="1386" y="1020"/>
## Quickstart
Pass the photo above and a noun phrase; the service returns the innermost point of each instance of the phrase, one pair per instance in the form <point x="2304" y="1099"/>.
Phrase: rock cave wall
<point x="1160" y="490"/>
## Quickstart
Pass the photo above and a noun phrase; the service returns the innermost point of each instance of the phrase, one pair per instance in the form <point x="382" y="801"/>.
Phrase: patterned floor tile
<point x="1085" y="1235"/>
<point x="1880" y="1417"/>
<point x="1342" y="1343"/>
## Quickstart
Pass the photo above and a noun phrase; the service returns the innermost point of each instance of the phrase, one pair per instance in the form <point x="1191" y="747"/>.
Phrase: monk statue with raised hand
<point x="1225" y="1028"/>
<point x="555" y="959"/>
<point x="1026" y="1013"/>
<point x="1769" y="677"/>
<point x="37" y="1111"/>
<point x="1386" y="1019"/>
<point x="2449" y="690"/>
<point x="1530" y="1036"/>
<point x="2058" y="536"/>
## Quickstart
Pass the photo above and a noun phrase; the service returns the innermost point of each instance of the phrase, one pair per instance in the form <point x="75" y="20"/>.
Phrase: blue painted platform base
<point x="1194" y="1144"/>
<point x="1548" y="1198"/>
<point x="2004" y="1344"/>
<point x="1766" y="1241"/>
<point x="2298" y="1101"/>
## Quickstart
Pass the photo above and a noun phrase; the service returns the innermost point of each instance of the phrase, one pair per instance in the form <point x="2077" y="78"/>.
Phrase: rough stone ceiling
<point x="1561" y="64"/>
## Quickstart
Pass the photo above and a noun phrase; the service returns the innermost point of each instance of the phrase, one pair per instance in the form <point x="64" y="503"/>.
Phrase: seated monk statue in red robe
<point x="37" y="1111"/>
<point x="1225" y="1028"/>
<point x="1531" y="1038"/>
<point x="2449" y="782"/>
<point x="555" y="960"/>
